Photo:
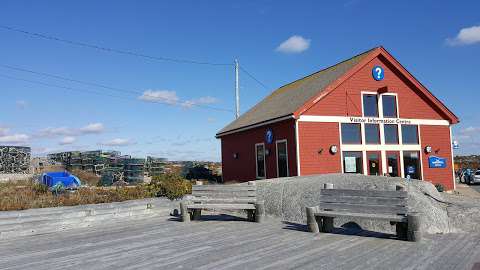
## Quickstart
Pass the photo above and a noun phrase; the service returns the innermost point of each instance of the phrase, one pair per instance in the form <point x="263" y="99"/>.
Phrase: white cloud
<point x="67" y="140"/>
<point x="14" y="138"/>
<point x="294" y="44"/>
<point x="466" y="36"/>
<point x="164" y="96"/>
<point x="22" y="104"/>
<point x="199" y="101"/>
<point x="118" y="142"/>
<point x="94" y="128"/>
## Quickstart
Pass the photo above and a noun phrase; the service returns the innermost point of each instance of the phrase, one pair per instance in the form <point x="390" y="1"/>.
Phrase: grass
<point x="27" y="194"/>
<point x="20" y="195"/>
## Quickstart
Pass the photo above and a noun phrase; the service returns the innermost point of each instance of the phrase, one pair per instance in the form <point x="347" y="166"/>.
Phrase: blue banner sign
<point x="437" y="162"/>
<point x="269" y="136"/>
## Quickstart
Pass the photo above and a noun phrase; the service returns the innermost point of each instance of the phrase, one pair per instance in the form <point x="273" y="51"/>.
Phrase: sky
<point x="124" y="95"/>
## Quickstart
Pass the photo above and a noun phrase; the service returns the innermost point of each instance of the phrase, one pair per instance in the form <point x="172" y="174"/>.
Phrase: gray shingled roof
<point x="287" y="99"/>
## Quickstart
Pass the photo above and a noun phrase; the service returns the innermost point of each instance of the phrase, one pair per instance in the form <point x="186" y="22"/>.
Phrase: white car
<point x="475" y="178"/>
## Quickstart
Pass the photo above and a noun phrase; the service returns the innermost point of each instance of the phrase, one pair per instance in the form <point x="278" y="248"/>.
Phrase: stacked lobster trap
<point x="15" y="159"/>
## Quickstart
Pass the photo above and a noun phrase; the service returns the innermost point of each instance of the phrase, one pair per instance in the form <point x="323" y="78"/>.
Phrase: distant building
<point x="365" y="115"/>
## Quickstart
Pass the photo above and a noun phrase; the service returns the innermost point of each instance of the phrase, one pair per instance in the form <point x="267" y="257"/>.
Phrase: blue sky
<point x="275" y="41"/>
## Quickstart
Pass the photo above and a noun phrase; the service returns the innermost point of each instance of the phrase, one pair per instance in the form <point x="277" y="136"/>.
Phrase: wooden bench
<point x="368" y="204"/>
<point x="223" y="197"/>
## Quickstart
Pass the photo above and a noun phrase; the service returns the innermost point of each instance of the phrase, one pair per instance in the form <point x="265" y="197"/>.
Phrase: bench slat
<point x="397" y="218"/>
<point x="363" y="200"/>
<point x="225" y="200"/>
<point x="364" y="193"/>
<point x="224" y="194"/>
<point x="247" y="206"/>
<point x="344" y="207"/>
<point x="230" y="188"/>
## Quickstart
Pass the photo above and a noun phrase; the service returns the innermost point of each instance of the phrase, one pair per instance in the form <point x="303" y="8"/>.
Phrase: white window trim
<point x="276" y="157"/>
<point x="396" y="101"/>
<point x="264" y="162"/>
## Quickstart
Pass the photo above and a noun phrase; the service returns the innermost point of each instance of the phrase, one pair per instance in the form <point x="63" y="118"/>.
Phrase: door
<point x="373" y="163"/>
<point x="260" y="160"/>
<point x="393" y="164"/>
<point x="282" y="159"/>
<point x="411" y="164"/>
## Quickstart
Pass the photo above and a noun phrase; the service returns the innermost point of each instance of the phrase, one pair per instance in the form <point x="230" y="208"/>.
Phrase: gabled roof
<point x="293" y="98"/>
<point x="287" y="99"/>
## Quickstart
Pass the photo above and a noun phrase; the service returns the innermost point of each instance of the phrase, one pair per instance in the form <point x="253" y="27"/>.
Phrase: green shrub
<point x="440" y="187"/>
<point x="172" y="186"/>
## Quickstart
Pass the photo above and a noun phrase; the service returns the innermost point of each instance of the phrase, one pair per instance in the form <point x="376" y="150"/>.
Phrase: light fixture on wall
<point x="235" y="155"/>
<point x="428" y="149"/>
<point x="333" y="149"/>
<point x="267" y="152"/>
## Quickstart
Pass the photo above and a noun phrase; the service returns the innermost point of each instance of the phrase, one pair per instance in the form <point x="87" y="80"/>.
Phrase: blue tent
<point x="68" y="180"/>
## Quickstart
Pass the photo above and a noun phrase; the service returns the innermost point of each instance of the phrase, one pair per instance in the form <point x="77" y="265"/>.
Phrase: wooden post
<point x="414" y="222"/>
<point x="327" y="224"/>
<point x="311" y="221"/>
<point x="259" y="211"/>
<point x="184" y="212"/>
<point x="197" y="213"/>
<point x="327" y="186"/>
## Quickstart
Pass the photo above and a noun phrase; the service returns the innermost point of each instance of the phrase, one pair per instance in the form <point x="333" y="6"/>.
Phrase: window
<point x="389" y="104"/>
<point x="411" y="164"/>
<point x="370" y="106"/>
<point x="373" y="163"/>
<point x="282" y="159"/>
<point x="351" y="133"/>
<point x="260" y="157"/>
<point x="393" y="164"/>
<point x="352" y="162"/>
<point x="409" y="134"/>
<point x="372" y="134"/>
<point x="391" y="133"/>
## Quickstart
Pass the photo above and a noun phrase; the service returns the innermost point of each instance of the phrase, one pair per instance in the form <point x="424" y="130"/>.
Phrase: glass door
<point x="411" y="164"/>
<point x="373" y="163"/>
<point x="393" y="164"/>
<point x="260" y="160"/>
<point x="282" y="159"/>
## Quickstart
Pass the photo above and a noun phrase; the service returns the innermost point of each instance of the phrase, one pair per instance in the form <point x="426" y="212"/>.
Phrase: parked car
<point x="475" y="178"/>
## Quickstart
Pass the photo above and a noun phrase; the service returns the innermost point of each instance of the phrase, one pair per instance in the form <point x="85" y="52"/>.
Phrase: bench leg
<point x="184" y="212"/>
<point x="401" y="229"/>
<point x="413" y="228"/>
<point x="259" y="212"/>
<point x="311" y="220"/>
<point x="327" y="224"/>
<point x="197" y="213"/>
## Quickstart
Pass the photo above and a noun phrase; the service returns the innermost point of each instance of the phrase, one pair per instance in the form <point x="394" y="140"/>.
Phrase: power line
<point x="255" y="79"/>
<point x="111" y="50"/>
<point x="106" y="94"/>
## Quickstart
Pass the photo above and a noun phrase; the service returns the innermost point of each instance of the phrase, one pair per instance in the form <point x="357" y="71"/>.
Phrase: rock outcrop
<point x="288" y="197"/>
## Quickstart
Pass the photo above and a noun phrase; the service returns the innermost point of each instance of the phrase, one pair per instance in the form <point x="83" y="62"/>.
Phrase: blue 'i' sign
<point x="377" y="73"/>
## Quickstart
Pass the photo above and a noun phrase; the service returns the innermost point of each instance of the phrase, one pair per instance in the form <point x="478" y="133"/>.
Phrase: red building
<point x="365" y="115"/>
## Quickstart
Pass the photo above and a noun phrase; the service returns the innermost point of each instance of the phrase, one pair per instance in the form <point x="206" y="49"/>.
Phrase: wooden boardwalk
<point x="163" y="243"/>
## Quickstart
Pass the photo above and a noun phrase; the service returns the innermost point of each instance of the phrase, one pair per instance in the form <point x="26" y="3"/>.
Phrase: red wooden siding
<point x="438" y="137"/>
<point x="345" y="100"/>
<point x="316" y="136"/>
<point x="243" y="143"/>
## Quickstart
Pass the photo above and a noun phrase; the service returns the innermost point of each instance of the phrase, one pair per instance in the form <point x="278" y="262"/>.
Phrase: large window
<point x="391" y="133"/>
<point x="352" y="162"/>
<point x="351" y="133"/>
<point x="389" y="105"/>
<point x="372" y="134"/>
<point x="370" y="106"/>
<point x="260" y="157"/>
<point x="409" y="134"/>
